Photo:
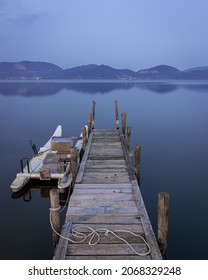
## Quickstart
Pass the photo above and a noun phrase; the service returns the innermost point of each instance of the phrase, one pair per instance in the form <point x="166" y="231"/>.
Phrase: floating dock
<point x="106" y="216"/>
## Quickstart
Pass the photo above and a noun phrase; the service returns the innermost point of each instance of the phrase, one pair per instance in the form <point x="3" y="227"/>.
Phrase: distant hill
<point x="93" y="71"/>
<point x="44" y="70"/>
<point x="28" y="69"/>
<point x="197" y="73"/>
<point x="159" y="72"/>
<point x="197" y="69"/>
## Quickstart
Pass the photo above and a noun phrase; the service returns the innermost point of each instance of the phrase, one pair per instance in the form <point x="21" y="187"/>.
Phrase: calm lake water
<point x="170" y="122"/>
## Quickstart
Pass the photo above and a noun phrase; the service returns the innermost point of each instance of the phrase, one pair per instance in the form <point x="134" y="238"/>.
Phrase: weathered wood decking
<point x="106" y="195"/>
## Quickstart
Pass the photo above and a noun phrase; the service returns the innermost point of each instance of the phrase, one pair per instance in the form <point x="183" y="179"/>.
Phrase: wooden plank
<point x="87" y="228"/>
<point x="99" y="144"/>
<point x="101" y="157"/>
<point x="108" y="191"/>
<point x="110" y="238"/>
<point x="103" y="175"/>
<point x="114" y="175"/>
<point x="106" y="170"/>
<point x="100" y="131"/>
<point x="61" y="248"/>
<point x="106" y="257"/>
<point x="105" y="155"/>
<point x="100" y="203"/>
<point x="102" y="211"/>
<point x="106" y="140"/>
<point x="105" y="186"/>
<point x="106" y="249"/>
<point x="104" y="149"/>
<point x="88" y="179"/>
<point x="149" y="233"/>
<point x="111" y="174"/>
<point x="105" y="165"/>
<point x="106" y="135"/>
<point x="110" y="181"/>
<point x="84" y="160"/>
<point x="127" y="158"/>
<point x="104" y="219"/>
<point x="121" y="162"/>
<point x="100" y="147"/>
<point x="109" y="197"/>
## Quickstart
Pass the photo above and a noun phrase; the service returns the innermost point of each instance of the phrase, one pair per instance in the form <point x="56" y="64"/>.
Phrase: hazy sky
<point x="132" y="34"/>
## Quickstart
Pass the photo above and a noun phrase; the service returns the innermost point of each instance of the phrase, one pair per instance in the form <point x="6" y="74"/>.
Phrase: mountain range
<point x="44" y="70"/>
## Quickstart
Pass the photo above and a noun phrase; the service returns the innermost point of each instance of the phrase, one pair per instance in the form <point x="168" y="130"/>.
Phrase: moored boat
<point x="52" y="161"/>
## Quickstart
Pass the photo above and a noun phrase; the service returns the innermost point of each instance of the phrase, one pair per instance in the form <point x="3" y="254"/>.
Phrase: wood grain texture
<point x="106" y="195"/>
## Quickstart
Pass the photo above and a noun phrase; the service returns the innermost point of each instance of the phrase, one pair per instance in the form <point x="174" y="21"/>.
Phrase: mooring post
<point x="163" y="209"/>
<point x="137" y="151"/>
<point x="54" y="215"/>
<point x="93" y="114"/>
<point x="116" y="108"/>
<point x="123" y="117"/>
<point x="74" y="165"/>
<point x="128" y="138"/>
<point x="84" y="137"/>
<point x="89" y="123"/>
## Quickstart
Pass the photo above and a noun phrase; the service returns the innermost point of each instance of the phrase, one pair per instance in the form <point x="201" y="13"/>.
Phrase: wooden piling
<point x="116" y="108"/>
<point x="123" y="117"/>
<point x="74" y="165"/>
<point x="163" y="209"/>
<point x="84" y="137"/>
<point x="128" y="138"/>
<point x="137" y="151"/>
<point x="93" y="114"/>
<point x="89" y="123"/>
<point x="54" y="215"/>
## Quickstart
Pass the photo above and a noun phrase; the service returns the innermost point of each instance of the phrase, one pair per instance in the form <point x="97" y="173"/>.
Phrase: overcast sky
<point x="134" y="34"/>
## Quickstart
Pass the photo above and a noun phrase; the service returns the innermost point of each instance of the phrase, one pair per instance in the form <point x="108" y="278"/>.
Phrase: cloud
<point x="20" y="11"/>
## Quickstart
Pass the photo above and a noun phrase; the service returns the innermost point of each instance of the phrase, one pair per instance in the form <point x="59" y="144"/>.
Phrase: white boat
<point x="52" y="161"/>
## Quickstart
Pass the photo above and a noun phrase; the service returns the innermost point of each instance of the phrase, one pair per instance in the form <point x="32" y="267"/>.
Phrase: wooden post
<point x="84" y="137"/>
<point x="163" y="209"/>
<point x="54" y="215"/>
<point x="137" y="151"/>
<point x="117" y="121"/>
<point x="89" y="123"/>
<point x="128" y="138"/>
<point x="123" y="116"/>
<point x="74" y="165"/>
<point x="93" y="114"/>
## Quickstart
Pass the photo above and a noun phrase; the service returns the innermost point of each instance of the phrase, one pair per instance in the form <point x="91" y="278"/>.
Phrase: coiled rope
<point x="94" y="235"/>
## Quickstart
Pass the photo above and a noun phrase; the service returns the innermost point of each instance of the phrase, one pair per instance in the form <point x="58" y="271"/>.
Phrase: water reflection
<point x="30" y="89"/>
<point x="26" y="193"/>
<point x="170" y="123"/>
<point x="158" y="88"/>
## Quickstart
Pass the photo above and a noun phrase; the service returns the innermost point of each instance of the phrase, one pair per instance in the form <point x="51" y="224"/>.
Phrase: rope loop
<point x="57" y="209"/>
<point x="78" y="231"/>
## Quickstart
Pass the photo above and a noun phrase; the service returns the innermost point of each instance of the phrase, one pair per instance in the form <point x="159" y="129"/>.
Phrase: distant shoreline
<point x="36" y="71"/>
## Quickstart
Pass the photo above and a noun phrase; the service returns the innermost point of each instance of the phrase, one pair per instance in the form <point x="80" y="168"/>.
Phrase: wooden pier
<point x="106" y="211"/>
